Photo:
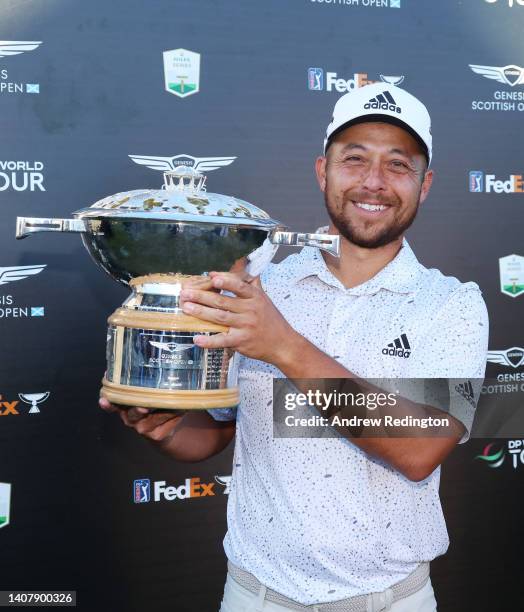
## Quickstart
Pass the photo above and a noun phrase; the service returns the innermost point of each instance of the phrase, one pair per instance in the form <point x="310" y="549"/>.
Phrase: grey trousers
<point x="238" y="599"/>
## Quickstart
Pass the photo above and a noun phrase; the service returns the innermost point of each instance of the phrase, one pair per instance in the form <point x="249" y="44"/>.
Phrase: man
<point x="338" y="524"/>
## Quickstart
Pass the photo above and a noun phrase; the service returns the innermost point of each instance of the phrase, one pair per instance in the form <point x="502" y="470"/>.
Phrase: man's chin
<point x="367" y="240"/>
<point x="371" y="243"/>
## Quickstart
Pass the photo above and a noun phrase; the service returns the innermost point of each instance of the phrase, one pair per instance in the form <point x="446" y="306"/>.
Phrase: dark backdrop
<point x="99" y="74"/>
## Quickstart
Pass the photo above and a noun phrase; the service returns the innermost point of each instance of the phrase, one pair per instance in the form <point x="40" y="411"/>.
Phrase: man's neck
<point x="356" y="265"/>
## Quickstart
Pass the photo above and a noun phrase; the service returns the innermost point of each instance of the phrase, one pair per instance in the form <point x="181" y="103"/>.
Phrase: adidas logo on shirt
<point x="398" y="348"/>
<point x="466" y="390"/>
<point x="383" y="101"/>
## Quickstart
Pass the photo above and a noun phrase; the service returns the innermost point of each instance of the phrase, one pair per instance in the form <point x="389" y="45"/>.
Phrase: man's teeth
<point x="372" y="207"/>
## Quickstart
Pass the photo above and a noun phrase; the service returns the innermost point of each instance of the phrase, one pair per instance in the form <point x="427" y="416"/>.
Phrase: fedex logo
<point x="488" y="183"/>
<point x="144" y="491"/>
<point x="192" y="487"/>
<point x="318" y="80"/>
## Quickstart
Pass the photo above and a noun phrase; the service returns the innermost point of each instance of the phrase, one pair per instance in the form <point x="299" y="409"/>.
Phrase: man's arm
<point x="415" y="457"/>
<point x="192" y="436"/>
<point x="258" y="330"/>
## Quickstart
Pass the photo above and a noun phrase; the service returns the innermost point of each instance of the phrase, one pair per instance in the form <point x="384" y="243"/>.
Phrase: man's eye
<point x="397" y="164"/>
<point x="353" y="158"/>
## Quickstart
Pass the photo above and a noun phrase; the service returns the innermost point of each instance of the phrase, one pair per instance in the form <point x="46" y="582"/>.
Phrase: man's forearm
<point x="299" y="358"/>
<point x="414" y="457"/>
<point x="196" y="437"/>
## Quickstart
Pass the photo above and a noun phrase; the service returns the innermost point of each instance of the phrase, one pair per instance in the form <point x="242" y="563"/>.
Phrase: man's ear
<point x="426" y="185"/>
<point x="320" y="169"/>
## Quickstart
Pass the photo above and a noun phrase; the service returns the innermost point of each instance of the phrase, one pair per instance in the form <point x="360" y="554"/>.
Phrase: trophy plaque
<point x="157" y="242"/>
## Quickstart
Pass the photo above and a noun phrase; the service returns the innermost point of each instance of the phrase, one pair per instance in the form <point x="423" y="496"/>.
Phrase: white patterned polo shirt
<point x="319" y="520"/>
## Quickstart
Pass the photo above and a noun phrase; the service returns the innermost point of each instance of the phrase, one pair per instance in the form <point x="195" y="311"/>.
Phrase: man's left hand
<point x="256" y="327"/>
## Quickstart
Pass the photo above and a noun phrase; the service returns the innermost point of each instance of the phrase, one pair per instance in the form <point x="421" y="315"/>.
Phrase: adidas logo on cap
<point x="398" y="348"/>
<point x="384" y="101"/>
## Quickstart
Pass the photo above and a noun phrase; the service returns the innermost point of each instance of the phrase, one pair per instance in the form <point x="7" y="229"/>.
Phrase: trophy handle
<point x="29" y="225"/>
<point x="324" y="242"/>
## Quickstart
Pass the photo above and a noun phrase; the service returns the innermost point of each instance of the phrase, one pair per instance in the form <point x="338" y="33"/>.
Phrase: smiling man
<point x="338" y="524"/>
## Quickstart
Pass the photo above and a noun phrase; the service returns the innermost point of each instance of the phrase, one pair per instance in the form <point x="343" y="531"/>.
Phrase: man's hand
<point x="156" y="426"/>
<point x="186" y="436"/>
<point x="256" y="327"/>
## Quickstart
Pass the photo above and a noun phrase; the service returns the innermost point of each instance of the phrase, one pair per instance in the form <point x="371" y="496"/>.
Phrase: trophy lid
<point x="183" y="197"/>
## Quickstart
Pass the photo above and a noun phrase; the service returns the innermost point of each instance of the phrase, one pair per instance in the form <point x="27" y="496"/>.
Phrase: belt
<point x="374" y="602"/>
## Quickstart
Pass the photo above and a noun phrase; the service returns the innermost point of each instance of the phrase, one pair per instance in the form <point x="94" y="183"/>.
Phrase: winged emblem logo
<point x="513" y="357"/>
<point x="15" y="47"/>
<point x="16" y="273"/>
<point x="509" y="75"/>
<point x="171" y="347"/>
<point x="164" y="164"/>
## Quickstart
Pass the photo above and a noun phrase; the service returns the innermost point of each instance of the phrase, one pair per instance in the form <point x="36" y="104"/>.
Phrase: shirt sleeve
<point x="455" y="348"/>
<point x="223" y="414"/>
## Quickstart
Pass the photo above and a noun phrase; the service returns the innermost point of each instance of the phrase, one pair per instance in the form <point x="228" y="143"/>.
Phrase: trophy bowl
<point x="157" y="242"/>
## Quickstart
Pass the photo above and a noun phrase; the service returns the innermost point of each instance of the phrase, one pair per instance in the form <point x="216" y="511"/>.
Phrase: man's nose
<point x="374" y="179"/>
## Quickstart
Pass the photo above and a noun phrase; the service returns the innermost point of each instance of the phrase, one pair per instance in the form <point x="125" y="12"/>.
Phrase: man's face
<point x="373" y="178"/>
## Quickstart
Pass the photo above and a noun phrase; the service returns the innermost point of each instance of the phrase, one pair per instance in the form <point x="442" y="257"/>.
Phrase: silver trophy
<point x="157" y="242"/>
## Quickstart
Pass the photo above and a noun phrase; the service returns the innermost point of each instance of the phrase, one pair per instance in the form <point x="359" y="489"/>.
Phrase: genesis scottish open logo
<point x="318" y="80"/>
<point x="511" y="358"/>
<point x="356" y="3"/>
<point x="509" y="75"/>
<point x="165" y="164"/>
<point x="8" y="307"/>
<point x="9" y="48"/>
<point x="512" y="77"/>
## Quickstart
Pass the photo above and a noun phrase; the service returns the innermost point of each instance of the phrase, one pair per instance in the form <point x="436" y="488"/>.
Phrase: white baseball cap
<point x="382" y="102"/>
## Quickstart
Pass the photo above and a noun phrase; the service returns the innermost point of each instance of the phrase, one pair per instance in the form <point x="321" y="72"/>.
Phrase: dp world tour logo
<point x="492" y="457"/>
<point x="495" y="457"/>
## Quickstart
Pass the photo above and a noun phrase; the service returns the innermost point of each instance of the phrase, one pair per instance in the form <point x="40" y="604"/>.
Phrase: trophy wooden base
<point x="168" y="399"/>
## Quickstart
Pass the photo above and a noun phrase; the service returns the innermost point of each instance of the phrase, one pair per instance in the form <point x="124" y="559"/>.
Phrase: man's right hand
<point x="156" y="426"/>
<point x="193" y="435"/>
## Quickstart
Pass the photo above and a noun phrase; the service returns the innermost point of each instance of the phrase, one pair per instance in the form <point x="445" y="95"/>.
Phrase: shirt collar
<point x="399" y="275"/>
